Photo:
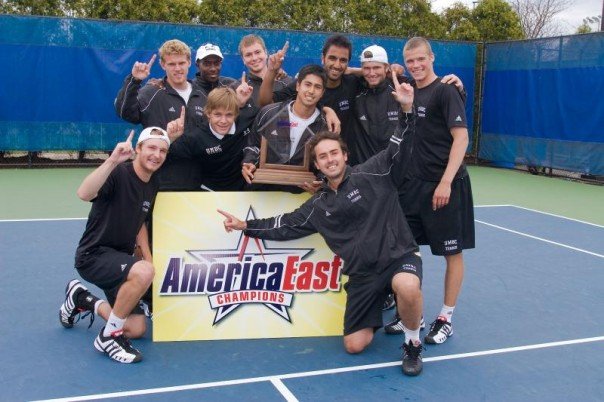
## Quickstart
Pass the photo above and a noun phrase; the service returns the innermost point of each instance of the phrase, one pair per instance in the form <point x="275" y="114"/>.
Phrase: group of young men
<point x="387" y="149"/>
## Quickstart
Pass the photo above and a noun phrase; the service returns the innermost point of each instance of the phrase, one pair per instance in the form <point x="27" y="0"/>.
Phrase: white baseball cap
<point x="153" y="132"/>
<point x="207" y="50"/>
<point x="374" y="53"/>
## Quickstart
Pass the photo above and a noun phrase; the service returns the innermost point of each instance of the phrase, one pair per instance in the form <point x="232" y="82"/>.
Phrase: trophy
<point x="275" y="173"/>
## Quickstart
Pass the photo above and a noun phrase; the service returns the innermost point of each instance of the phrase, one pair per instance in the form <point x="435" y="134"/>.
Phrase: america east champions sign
<point x="232" y="278"/>
<point x="244" y="282"/>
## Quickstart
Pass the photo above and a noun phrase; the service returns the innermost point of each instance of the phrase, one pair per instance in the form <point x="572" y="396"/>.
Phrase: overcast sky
<point x="569" y="19"/>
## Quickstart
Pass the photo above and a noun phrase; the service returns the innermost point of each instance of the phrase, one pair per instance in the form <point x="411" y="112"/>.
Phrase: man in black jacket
<point x="159" y="102"/>
<point x="358" y="214"/>
<point x="217" y="145"/>
<point x="288" y="126"/>
<point x="208" y="59"/>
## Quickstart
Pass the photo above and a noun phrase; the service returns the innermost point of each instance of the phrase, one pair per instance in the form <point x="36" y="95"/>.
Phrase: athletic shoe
<point x="117" y="347"/>
<point x="395" y="327"/>
<point x="389" y="303"/>
<point x="412" y="359"/>
<point x="440" y="330"/>
<point x="70" y="310"/>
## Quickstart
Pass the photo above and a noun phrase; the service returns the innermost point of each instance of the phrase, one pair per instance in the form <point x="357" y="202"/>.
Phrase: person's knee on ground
<point x="357" y="341"/>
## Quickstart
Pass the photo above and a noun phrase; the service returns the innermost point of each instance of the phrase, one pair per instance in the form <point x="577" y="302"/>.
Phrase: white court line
<point x="541" y="239"/>
<point x="287" y="394"/>
<point x="557" y="216"/>
<point x="277" y="378"/>
<point x="84" y="218"/>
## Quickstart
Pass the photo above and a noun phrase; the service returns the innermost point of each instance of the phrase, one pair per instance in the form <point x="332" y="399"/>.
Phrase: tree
<point x="496" y="20"/>
<point x="143" y="10"/>
<point x="583" y="28"/>
<point x="459" y="24"/>
<point x="537" y="16"/>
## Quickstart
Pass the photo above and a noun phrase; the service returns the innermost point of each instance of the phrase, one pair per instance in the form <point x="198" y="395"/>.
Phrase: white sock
<point x="114" y="324"/>
<point x="447" y="312"/>
<point x="411" y="336"/>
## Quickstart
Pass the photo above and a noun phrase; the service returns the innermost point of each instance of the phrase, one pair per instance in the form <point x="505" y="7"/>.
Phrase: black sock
<point x="86" y="301"/>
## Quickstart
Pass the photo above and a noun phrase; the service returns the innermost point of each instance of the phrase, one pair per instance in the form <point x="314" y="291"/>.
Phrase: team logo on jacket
<point x="250" y="272"/>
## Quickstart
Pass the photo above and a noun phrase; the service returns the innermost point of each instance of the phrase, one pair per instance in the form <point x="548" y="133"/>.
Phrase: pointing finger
<point x="225" y="214"/>
<point x="130" y="136"/>
<point x="243" y="79"/>
<point x="152" y="60"/>
<point x="182" y="113"/>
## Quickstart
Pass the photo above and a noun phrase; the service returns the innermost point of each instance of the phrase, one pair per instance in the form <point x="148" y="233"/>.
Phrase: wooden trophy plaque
<point x="273" y="173"/>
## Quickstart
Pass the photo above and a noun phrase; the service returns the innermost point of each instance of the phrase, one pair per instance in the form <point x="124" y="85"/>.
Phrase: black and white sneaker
<point x="389" y="303"/>
<point x="395" y="327"/>
<point x="117" y="347"/>
<point x="69" y="312"/>
<point x="412" y="359"/>
<point x="440" y="331"/>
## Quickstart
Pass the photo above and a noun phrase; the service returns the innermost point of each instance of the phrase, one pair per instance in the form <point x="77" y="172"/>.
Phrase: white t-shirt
<point x="185" y="93"/>
<point x="297" y="127"/>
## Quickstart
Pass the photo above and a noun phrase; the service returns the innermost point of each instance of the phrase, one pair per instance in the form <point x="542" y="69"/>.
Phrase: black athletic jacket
<point x="218" y="159"/>
<point x="273" y="123"/>
<point x="377" y="119"/>
<point x="362" y="221"/>
<point x="255" y="82"/>
<point x="157" y="105"/>
<point x="205" y="86"/>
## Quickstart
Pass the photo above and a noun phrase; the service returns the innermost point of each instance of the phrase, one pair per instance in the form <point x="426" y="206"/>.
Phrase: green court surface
<point x="51" y="193"/>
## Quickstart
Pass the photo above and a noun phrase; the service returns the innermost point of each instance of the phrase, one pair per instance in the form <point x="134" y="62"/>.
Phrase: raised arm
<point x="91" y="185"/>
<point x="126" y="104"/>
<point x="275" y="61"/>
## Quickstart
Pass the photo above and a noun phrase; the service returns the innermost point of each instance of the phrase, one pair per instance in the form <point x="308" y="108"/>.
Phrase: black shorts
<point x="108" y="269"/>
<point x="365" y="295"/>
<point x="448" y="230"/>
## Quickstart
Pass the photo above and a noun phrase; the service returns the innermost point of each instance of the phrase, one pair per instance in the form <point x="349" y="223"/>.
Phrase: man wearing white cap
<point x="122" y="193"/>
<point x="376" y="110"/>
<point x="209" y="63"/>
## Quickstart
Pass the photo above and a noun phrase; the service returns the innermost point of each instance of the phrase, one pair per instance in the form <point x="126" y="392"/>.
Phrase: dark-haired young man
<point x="288" y="125"/>
<point x="340" y="89"/>
<point x="358" y="214"/>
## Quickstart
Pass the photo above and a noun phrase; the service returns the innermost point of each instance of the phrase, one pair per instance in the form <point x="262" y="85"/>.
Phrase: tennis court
<point x="528" y="325"/>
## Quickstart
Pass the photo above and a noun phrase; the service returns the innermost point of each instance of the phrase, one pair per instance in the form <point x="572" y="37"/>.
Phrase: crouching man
<point x="357" y="212"/>
<point x="122" y="193"/>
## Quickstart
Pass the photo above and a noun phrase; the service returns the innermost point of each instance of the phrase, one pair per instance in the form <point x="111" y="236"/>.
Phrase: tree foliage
<point x="489" y="20"/>
<point x="495" y="20"/>
<point x="459" y="24"/>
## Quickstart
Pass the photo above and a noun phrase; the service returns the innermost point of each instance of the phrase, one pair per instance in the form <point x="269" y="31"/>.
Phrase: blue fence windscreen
<point x="61" y="75"/>
<point x="542" y="103"/>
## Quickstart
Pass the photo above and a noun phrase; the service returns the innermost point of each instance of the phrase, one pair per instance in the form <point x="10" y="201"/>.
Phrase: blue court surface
<point x="528" y="327"/>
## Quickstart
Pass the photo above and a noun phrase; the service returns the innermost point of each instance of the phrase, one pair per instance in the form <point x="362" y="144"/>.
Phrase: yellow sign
<point x="210" y="284"/>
